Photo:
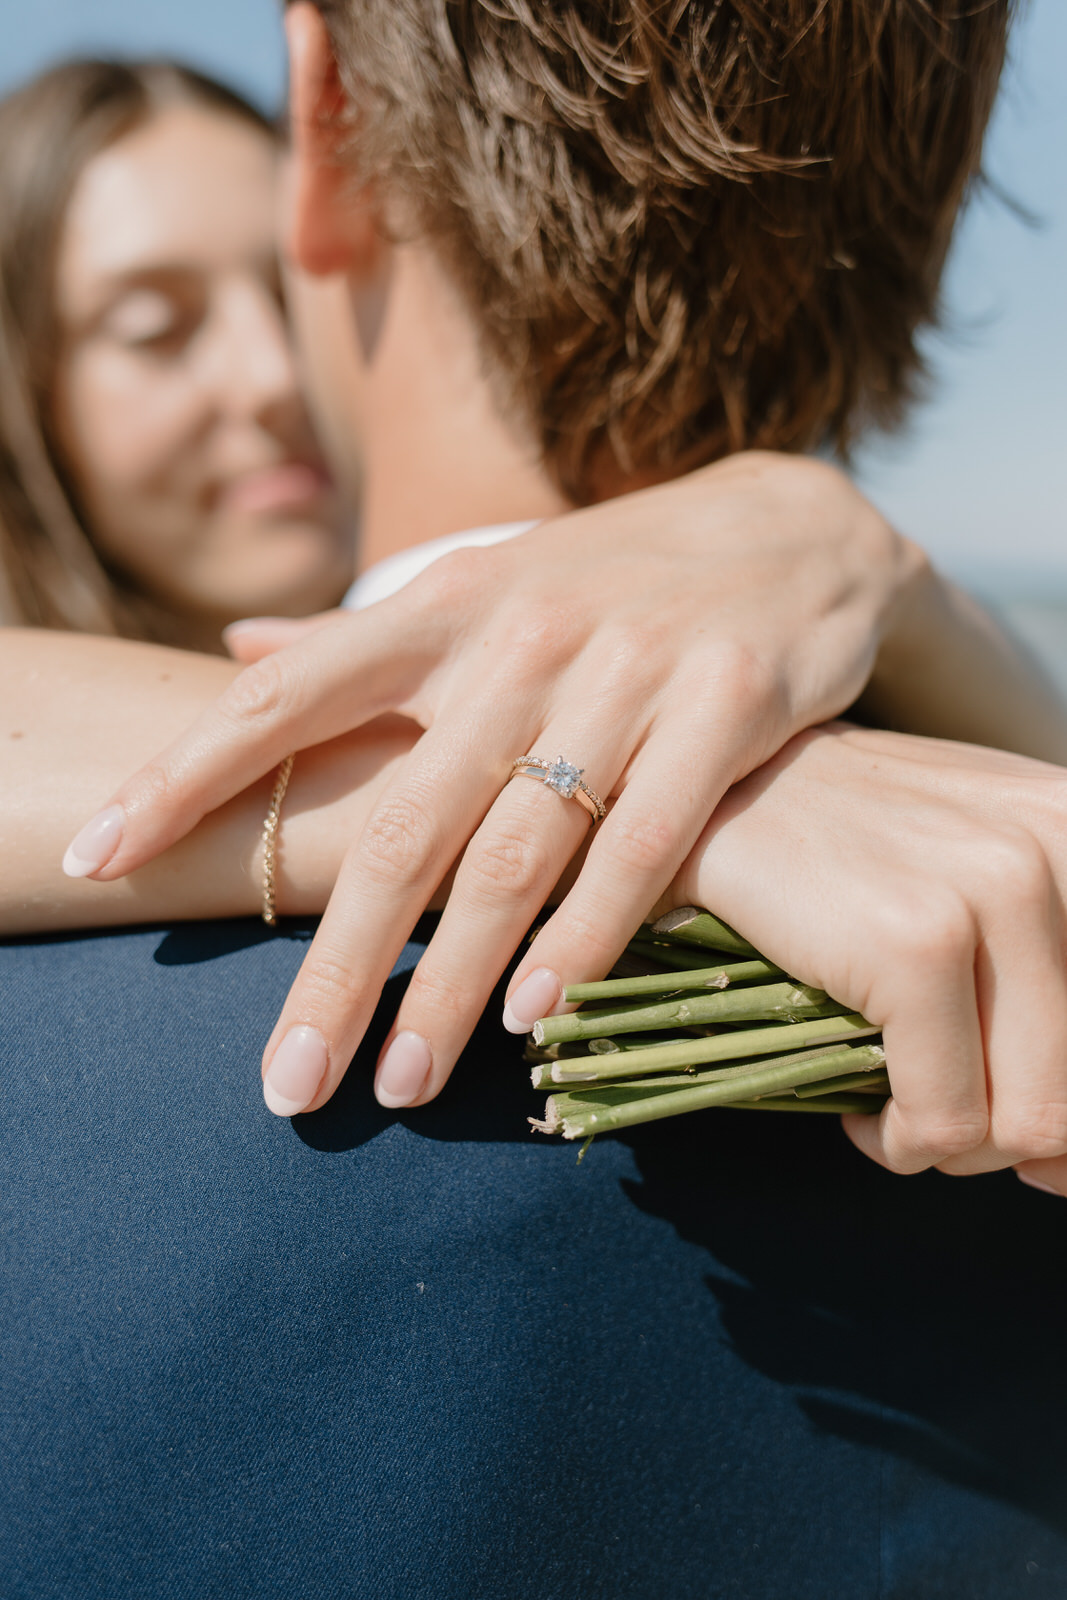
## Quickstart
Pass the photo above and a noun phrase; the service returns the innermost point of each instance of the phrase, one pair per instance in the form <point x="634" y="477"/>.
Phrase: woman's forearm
<point x="947" y="669"/>
<point x="79" y="713"/>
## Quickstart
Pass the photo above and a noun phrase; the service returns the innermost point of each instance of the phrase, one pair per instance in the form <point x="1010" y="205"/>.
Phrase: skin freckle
<point x="17" y="735"/>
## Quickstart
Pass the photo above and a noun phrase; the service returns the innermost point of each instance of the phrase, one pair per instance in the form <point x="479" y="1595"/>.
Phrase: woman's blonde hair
<point x="50" y="573"/>
<point x="684" y="227"/>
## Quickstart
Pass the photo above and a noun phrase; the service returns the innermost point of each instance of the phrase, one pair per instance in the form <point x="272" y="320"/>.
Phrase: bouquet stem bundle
<point x="669" y="1038"/>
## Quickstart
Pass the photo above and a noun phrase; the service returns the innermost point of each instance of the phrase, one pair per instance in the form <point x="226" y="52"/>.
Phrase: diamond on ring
<point x="565" y="779"/>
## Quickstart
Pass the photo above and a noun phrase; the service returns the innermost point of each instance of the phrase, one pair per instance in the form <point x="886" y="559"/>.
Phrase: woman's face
<point x="178" y="414"/>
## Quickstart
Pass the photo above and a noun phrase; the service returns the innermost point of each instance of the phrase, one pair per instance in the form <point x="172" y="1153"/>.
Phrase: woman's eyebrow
<point x="172" y="270"/>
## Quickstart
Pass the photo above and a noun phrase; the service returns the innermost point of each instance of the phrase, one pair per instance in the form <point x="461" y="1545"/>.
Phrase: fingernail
<point x="1035" y="1183"/>
<point x="234" y="630"/>
<point x="296" y="1069"/>
<point x="533" y="999"/>
<point x="96" y="844"/>
<point x="403" y="1071"/>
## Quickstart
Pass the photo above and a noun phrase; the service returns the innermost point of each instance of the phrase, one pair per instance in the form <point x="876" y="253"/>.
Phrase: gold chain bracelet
<point x="271" y="828"/>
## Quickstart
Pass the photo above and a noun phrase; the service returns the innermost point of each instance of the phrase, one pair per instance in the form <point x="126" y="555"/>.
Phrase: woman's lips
<point x="284" y="488"/>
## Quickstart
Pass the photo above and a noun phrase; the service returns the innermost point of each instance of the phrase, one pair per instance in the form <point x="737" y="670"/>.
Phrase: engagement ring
<point x="565" y="779"/>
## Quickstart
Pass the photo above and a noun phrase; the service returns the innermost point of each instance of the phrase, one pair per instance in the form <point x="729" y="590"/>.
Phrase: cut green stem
<point x="672" y="982"/>
<point x="738" y="1045"/>
<point x="690" y="925"/>
<point x="601" y="1108"/>
<point x="681" y="1033"/>
<point x="758" y="1002"/>
<point x="862" y="1082"/>
<point x="865" y="1059"/>
<point x="836" y="1105"/>
<point x="660" y="953"/>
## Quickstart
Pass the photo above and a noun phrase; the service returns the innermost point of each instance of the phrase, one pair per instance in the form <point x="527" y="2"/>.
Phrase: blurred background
<point x="980" y="475"/>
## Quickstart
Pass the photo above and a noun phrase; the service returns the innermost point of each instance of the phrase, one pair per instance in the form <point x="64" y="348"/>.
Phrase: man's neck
<point x="438" y="455"/>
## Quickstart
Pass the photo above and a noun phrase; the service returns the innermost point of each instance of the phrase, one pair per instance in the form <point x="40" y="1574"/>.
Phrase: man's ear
<point x="328" y="225"/>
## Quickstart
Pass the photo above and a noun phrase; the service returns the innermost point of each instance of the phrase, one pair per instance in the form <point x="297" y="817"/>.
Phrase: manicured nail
<point x="234" y="630"/>
<point x="403" y="1071"/>
<point x="1035" y="1183"/>
<point x="96" y="844"/>
<point x="296" y="1069"/>
<point x="535" y="997"/>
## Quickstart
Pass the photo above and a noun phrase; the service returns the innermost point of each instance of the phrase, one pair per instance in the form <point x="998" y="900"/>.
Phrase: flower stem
<point x="830" y="1104"/>
<point x="690" y="925"/>
<point x="643" y="952"/>
<point x="601" y="1107"/>
<point x="865" y="1060"/>
<point x="753" y="1003"/>
<point x="732" y="1046"/>
<point x="876" y="1082"/>
<point x="669" y="982"/>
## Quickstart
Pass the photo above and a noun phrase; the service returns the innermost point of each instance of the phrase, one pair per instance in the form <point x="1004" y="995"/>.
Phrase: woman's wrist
<point x="947" y="669"/>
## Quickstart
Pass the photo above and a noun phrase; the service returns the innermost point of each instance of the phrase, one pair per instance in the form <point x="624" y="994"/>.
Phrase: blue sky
<point x="980" y="477"/>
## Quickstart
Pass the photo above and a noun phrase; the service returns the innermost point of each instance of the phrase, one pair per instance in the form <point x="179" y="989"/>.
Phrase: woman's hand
<point x="668" y="643"/>
<point x="78" y="711"/>
<point x="923" y="884"/>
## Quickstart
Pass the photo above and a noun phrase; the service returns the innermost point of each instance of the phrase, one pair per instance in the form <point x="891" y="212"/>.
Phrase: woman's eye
<point x="146" y="319"/>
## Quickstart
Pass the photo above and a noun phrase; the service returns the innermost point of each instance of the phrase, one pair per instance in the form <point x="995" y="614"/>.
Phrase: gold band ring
<point x="565" y="779"/>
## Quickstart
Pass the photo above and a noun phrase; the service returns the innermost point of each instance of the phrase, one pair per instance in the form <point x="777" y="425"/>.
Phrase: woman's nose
<point x="255" y="366"/>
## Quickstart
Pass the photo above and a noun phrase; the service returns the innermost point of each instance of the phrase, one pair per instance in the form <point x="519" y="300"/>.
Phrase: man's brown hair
<point x="682" y="228"/>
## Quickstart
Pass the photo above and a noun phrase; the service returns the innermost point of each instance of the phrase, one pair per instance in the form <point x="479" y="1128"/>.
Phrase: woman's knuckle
<point x="642" y="845"/>
<point x="900" y="1151"/>
<point x="734" y="665"/>
<point x="399" y="840"/>
<point x="625" y="662"/>
<point x="541" y="631"/>
<point x="451" y="580"/>
<point x="947" y="933"/>
<point x="743" y="681"/>
<point x="1020" y="871"/>
<point x="433" y="992"/>
<point x="158" y="790"/>
<point x="329" y="984"/>
<point x="938" y="1138"/>
<point x="892" y="926"/>
<point x="592" y="939"/>
<point x="923" y="930"/>
<point x="261" y="695"/>
<point x="508" y="864"/>
<point x="1032" y="1132"/>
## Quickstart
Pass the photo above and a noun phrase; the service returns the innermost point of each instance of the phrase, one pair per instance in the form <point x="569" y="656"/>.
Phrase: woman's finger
<point x="253" y="638"/>
<point x="927" y="1007"/>
<point x="506" y="874"/>
<point x="673" y="786"/>
<point x="1048" y="1176"/>
<point x="330" y="682"/>
<point x="1022" y="993"/>
<point x="413" y="835"/>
